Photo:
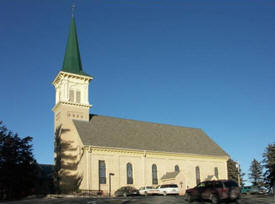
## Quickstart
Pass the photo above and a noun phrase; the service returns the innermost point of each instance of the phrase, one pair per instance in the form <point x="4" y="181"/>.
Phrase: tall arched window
<point x="154" y="174"/>
<point x="177" y="169"/>
<point x="198" y="177"/>
<point x="129" y="173"/>
<point x="216" y="172"/>
<point x="102" y="172"/>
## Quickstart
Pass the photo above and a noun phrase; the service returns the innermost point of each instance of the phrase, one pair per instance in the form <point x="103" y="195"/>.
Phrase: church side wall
<point x="116" y="162"/>
<point x="83" y="170"/>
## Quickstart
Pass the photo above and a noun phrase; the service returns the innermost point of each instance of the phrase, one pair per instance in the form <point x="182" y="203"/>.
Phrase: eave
<point x="146" y="153"/>
<point x="70" y="103"/>
<point x="63" y="74"/>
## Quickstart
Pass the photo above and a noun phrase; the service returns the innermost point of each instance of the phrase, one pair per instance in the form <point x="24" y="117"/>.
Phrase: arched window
<point x="198" y="179"/>
<point x="154" y="174"/>
<point x="102" y="172"/>
<point x="129" y="173"/>
<point x="216" y="172"/>
<point x="177" y="169"/>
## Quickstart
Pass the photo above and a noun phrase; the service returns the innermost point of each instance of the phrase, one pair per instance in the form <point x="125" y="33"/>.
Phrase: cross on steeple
<point x="73" y="8"/>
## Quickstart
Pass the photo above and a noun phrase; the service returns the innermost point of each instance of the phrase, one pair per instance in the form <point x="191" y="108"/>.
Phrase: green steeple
<point x="72" y="60"/>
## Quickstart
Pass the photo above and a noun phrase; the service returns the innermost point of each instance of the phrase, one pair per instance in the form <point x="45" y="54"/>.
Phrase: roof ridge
<point x="142" y="121"/>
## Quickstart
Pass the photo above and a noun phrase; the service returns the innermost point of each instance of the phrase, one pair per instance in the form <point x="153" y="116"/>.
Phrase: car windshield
<point x="149" y="187"/>
<point x="173" y="186"/>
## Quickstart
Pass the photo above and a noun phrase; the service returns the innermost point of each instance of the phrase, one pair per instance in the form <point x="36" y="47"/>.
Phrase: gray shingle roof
<point x="122" y="133"/>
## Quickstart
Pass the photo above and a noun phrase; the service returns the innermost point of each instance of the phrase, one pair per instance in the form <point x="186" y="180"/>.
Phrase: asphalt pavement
<point x="137" y="200"/>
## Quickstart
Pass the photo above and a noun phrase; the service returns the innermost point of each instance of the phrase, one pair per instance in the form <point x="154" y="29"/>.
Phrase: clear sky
<point x="207" y="64"/>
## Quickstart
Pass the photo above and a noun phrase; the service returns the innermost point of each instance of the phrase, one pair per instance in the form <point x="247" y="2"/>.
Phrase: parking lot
<point x="250" y="199"/>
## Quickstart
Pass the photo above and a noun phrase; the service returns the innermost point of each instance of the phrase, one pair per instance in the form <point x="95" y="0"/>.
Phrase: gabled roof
<point x="170" y="175"/>
<point x="72" y="61"/>
<point x="121" y="133"/>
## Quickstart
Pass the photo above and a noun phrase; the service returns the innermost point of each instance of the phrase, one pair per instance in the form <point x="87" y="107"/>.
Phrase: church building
<point x="94" y="152"/>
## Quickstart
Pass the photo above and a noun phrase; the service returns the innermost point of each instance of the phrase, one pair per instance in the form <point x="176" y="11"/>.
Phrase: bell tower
<point x="71" y="84"/>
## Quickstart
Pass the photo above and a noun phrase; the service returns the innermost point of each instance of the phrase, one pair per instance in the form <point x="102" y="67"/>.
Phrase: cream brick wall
<point x="116" y="161"/>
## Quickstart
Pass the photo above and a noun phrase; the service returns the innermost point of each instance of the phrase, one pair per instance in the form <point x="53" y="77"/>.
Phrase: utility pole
<point x="110" y="174"/>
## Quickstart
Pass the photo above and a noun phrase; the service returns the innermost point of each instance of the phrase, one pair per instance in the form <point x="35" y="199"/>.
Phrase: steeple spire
<point x="72" y="60"/>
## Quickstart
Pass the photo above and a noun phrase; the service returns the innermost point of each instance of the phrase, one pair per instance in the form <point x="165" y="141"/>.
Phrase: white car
<point x="146" y="190"/>
<point x="166" y="189"/>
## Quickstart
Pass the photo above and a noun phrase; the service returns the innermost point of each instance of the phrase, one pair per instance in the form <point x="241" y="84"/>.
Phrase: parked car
<point x="215" y="191"/>
<point x="257" y="190"/>
<point x="155" y="190"/>
<point x="246" y="189"/>
<point x="167" y="189"/>
<point x="147" y="190"/>
<point x="126" y="191"/>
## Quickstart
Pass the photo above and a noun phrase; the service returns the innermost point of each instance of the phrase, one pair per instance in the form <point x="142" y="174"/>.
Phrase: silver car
<point x="167" y="189"/>
<point x="147" y="190"/>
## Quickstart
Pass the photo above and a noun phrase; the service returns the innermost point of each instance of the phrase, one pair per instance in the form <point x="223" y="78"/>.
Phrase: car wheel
<point x="214" y="199"/>
<point x="124" y="194"/>
<point x="164" y="193"/>
<point x="189" y="198"/>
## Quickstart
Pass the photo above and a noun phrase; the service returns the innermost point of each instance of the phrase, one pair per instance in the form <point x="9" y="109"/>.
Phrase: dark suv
<point x="126" y="191"/>
<point x="215" y="191"/>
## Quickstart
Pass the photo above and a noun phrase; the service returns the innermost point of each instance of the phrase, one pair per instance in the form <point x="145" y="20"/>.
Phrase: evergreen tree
<point x="256" y="173"/>
<point x="269" y="164"/>
<point x="18" y="168"/>
<point x="242" y="180"/>
<point x="232" y="170"/>
<point x="234" y="173"/>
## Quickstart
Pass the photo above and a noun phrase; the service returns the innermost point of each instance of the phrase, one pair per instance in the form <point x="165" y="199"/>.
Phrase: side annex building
<point x="91" y="149"/>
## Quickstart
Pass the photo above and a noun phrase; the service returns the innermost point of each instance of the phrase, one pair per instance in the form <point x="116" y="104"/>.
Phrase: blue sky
<point x="194" y="63"/>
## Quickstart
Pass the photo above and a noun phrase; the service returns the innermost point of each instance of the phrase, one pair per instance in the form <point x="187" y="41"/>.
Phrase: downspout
<point x="88" y="173"/>
<point x="87" y="169"/>
<point x="144" y="167"/>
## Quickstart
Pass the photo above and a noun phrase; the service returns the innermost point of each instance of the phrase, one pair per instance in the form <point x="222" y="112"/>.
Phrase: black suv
<point x="126" y="191"/>
<point x="215" y="191"/>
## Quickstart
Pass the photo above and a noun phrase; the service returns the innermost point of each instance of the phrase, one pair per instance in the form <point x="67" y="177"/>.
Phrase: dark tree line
<point x="18" y="168"/>
<point x="269" y="165"/>
<point x="263" y="173"/>
<point x="20" y="175"/>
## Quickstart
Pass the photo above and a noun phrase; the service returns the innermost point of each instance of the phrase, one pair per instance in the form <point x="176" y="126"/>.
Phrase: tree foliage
<point x="233" y="172"/>
<point x="242" y="180"/>
<point x="256" y="173"/>
<point x="18" y="168"/>
<point x="269" y="164"/>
